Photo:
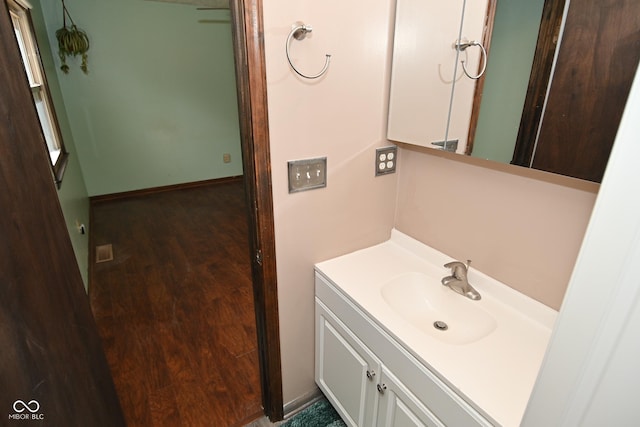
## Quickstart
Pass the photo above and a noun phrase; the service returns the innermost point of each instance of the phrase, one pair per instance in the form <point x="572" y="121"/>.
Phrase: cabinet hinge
<point x="259" y="257"/>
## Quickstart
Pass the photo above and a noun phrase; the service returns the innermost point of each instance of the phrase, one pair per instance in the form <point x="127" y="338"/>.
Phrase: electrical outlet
<point x="386" y="160"/>
<point x="307" y="174"/>
<point x="226" y="158"/>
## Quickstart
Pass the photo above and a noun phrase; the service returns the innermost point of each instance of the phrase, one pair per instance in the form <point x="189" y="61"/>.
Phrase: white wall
<point x="341" y="116"/>
<point x="513" y="225"/>
<point x="591" y="375"/>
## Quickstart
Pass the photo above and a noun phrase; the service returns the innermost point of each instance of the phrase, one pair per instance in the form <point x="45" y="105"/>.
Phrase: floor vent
<point x="104" y="253"/>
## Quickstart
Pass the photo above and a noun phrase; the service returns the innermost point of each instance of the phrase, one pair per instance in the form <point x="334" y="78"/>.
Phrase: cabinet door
<point x="398" y="407"/>
<point x="424" y="106"/>
<point x="345" y="369"/>
<point x="423" y="68"/>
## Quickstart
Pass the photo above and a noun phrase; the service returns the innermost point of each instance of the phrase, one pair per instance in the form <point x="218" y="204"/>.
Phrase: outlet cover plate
<point x="307" y="174"/>
<point x="386" y="160"/>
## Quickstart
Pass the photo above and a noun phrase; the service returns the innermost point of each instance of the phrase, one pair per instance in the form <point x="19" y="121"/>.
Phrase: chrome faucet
<point x="458" y="280"/>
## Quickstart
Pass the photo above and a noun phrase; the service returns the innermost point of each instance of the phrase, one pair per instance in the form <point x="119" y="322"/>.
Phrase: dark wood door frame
<point x="254" y="132"/>
<point x="550" y="23"/>
<point x="590" y="88"/>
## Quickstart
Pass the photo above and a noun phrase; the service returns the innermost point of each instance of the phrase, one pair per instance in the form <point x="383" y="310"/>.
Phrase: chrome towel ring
<point x="299" y="32"/>
<point x="461" y="47"/>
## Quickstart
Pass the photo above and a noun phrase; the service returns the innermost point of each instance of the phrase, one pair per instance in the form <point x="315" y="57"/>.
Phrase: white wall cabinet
<point x="424" y="106"/>
<point x="371" y="379"/>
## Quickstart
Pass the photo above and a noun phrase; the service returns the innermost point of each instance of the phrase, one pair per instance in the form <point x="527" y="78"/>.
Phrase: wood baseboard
<point x="301" y="402"/>
<point x="146" y="191"/>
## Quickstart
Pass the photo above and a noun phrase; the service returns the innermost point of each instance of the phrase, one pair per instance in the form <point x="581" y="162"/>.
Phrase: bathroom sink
<point x="492" y="350"/>
<point x="436" y="310"/>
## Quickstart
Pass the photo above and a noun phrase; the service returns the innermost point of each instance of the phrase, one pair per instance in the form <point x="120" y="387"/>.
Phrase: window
<point x="25" y="35"/>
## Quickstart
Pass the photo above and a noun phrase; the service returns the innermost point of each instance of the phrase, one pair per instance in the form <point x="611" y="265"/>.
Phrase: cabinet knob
<point x="371" y="374"/>
<point x="382" y="388"/>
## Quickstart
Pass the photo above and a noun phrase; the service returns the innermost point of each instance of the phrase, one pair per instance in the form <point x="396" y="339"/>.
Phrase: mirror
<point x="430" y="99"/>
<point x="478" y="117"/>
<point x="516" y="28"/>
<point x="500" y="115"/>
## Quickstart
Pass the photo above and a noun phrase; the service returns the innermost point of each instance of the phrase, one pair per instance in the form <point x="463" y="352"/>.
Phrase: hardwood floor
<point x="175" y="306"/>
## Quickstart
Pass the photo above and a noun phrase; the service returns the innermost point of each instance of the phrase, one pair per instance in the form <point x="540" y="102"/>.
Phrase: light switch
<point x="307" y="174"/>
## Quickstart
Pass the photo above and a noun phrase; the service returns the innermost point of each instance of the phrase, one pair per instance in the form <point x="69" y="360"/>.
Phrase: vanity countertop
<point x="495" y="374"/>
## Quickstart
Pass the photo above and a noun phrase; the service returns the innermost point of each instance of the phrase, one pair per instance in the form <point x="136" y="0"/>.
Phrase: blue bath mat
<point x="319" y="414"/>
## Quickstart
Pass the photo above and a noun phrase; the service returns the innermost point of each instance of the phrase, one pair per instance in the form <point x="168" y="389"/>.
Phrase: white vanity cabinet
<point x="346" y="371"/>
<point x="357" y="383"/>
<point x="399" y="407"/>
<point x="370" y="378"/>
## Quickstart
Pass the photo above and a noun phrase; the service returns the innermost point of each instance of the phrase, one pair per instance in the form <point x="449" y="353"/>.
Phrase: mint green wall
<point x="158" y="106"/>
<point x="512" y="48"/>
<point x="73" y="194"/>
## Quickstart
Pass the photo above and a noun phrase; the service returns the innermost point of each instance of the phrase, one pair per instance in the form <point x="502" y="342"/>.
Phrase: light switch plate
<point x="386" y="160"/>
<point x="307" y="174"/>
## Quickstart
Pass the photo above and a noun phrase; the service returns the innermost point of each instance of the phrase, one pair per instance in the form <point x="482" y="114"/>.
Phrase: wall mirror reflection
<point x="553" y="91"/>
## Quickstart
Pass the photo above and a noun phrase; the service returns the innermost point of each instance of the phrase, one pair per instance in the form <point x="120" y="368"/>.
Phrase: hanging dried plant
<point x="72" y="41"/>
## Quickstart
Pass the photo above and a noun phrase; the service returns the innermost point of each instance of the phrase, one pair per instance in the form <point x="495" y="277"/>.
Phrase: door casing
<point x="248" y="43"/>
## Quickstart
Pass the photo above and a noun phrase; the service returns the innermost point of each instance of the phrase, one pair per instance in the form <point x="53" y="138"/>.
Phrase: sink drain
<point x="440" y="325"/>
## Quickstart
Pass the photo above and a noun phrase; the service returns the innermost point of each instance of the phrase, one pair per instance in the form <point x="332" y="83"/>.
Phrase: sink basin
<point x="436" y="310"/>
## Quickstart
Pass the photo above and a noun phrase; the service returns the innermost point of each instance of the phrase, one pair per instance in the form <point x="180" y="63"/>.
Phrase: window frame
<point x="20" y="14"/>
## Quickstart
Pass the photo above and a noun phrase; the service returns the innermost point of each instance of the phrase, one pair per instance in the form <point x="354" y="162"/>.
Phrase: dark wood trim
<point x="479" y="89"/>
<point x="254" y="132"/>
<point x="154" y="190"/>
<point x="539" y="81"/>
<point x="92" y="248"/>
